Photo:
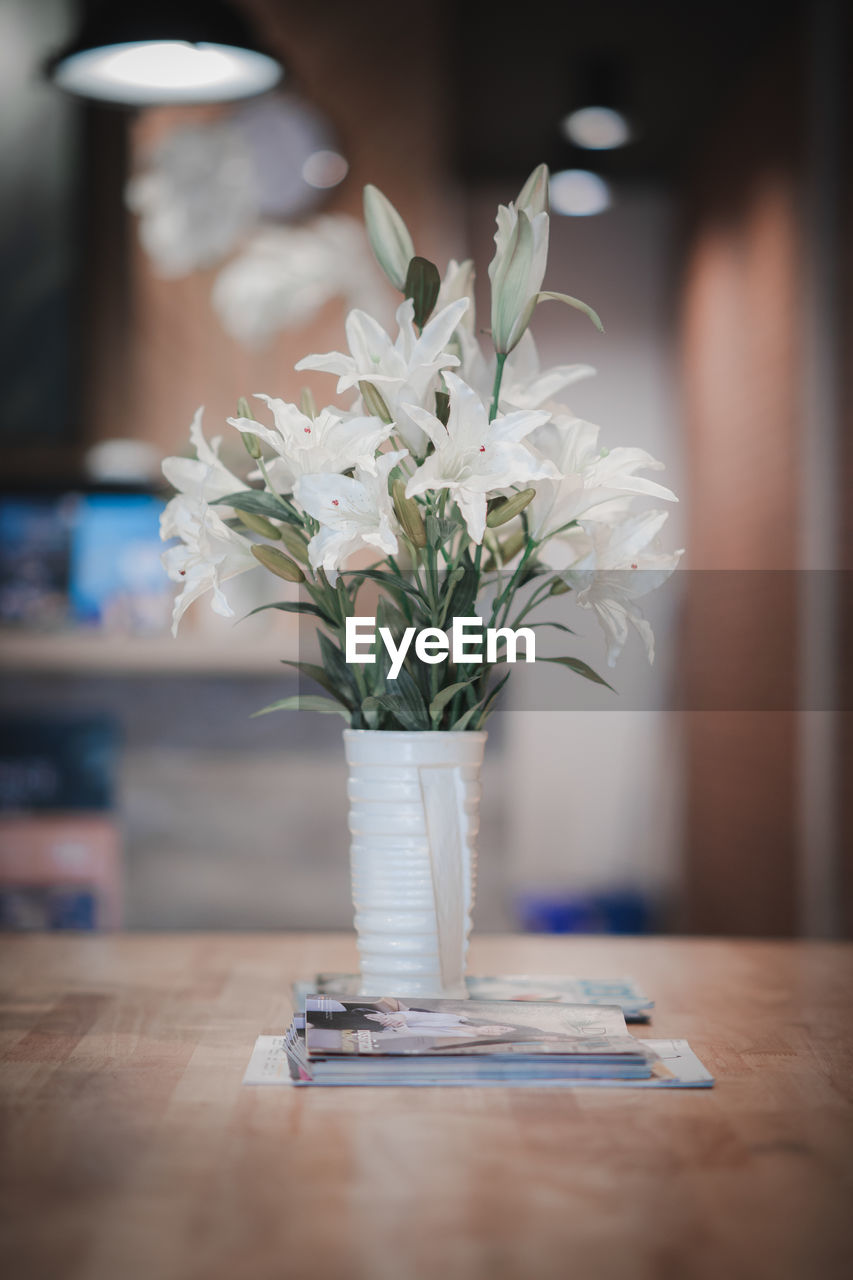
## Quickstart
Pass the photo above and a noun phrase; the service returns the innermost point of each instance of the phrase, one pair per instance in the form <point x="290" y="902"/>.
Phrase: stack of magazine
<point x="513" y="1030"/>
<point x="427" y="1042"/>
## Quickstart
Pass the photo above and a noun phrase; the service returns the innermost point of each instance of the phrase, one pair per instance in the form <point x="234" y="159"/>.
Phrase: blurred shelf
<point x="94" y="653"/>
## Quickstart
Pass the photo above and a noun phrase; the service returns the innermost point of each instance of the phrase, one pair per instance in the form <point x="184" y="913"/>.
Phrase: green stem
<point x="536" y="599"/>
<point x="504" y="600"/>
<point x="262" y="467"/>
<point x="496" y="389"/>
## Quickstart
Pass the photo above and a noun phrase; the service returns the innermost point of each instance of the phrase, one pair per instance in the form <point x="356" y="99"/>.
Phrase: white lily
<point x="518" y="267"/>
<point x="332" y="441"/>
<point x="353" y="512"/>
<point x="402" y="369"/>
<point x="616" y="566"/>
<point x="592" y="480"/>
<point x="205" y="476"/>
<point x="526" y="385"/>
<point x="208" y="554"/>
<point x="475" y="457"/>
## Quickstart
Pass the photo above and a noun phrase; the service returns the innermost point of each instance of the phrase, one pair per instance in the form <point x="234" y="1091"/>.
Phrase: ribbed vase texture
<point x="414" y="815"/>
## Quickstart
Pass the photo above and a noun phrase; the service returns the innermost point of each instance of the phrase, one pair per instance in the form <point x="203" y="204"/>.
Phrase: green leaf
<point x="464" y="593"/>
<point x="422" y="285"/>
<point x="549" y="296"/>
<point x="310" y="702"/>
<point x="442" y="406"/>
<point x="445" y="695"/>
<point x="390" y="581"/>
<point x="259" y="503"/>
<point x="396" y="706"/>
<point x="582" y="669"/>
<point x="492" y="697"/>
<point x="337" y="671"/>
<point x="465" y="719"/>
<point x="403" y="701"/>
<point x="372" y="712"/>
<point x="405" y="687"/>
<point x="293" y="606"/>
<point x="387" y="615"/>
<point x="558" y="626"/>
<point x="320" y="676"/>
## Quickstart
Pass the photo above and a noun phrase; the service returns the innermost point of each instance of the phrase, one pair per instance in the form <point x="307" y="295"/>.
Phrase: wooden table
<point x="133" y="1151"/>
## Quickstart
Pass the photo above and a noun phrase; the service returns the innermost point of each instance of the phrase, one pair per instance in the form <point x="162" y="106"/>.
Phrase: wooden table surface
<point x="132" y="1150"/>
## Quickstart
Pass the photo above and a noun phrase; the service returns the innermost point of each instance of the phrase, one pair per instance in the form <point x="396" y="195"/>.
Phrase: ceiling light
<point x="187" y="51"/>
<point x="596" y="128"/>
<point x="578" y="193"/>
<point x="324" y="169"/>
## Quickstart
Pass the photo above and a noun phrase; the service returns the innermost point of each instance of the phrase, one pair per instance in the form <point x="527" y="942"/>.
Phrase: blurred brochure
<point x="541" y="988"/>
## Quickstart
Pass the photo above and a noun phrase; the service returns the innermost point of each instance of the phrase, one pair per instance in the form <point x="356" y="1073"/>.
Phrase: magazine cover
<point x="392" y="1026"/>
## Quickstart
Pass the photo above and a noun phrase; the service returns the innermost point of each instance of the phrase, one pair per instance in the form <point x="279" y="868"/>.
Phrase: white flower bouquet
<point x="463" y="477"/>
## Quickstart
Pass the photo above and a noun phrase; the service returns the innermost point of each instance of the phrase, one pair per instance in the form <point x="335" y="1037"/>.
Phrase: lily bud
<point x="389" y="236"/>
<point x="260" y="525"/>
<point x="559" y="587"/>
<point x="374" y="403"/>
<point x="518" y="267"/>
<point x="513" y="545"/>
<point x="278" y="563"/>
<point x="251" y="442"/>
<point x="294" y="542"/>
<point x="533" y="196"/>
<point x="507" y="508"/>
<point x="306" y="403"/>
<point x="510" y="292"/>
<point x="409" y="514"/>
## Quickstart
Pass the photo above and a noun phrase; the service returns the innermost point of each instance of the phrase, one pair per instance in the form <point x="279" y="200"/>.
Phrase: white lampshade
<point x="149" y="52"/>
<point x="144" y="73"/>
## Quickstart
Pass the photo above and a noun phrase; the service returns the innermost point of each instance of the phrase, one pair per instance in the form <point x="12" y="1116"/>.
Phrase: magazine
<point x="279" y="1060"/>
<point x="552" y="988"/>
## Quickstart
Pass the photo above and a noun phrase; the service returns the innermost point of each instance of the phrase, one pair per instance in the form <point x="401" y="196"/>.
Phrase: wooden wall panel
<point x="742" y="394"/>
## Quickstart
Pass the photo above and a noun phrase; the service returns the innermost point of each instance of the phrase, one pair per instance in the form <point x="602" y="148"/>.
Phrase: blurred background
<point x="157" y="257"/>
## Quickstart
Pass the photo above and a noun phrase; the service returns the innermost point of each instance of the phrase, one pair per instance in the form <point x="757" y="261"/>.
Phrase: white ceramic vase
<point x="414" y="814"/>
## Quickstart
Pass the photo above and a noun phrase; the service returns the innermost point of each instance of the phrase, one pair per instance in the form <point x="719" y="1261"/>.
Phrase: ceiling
<point x="514" y="77"/>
